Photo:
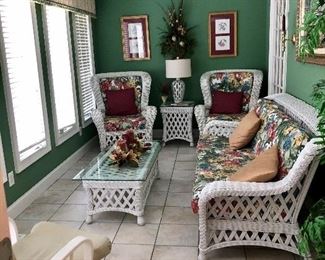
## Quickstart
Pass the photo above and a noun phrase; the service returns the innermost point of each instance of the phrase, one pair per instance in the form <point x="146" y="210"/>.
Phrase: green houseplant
<point x="313" y="29"/>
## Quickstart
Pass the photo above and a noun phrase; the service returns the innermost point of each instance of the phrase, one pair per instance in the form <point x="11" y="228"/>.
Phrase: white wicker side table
<point x="113" y="188"/>
<point x="177" y="121"/>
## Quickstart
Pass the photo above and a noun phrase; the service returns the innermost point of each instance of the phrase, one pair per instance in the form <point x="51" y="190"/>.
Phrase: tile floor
<point x="171" y="231"/>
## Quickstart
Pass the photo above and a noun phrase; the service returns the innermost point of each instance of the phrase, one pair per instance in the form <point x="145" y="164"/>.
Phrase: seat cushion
<point x="216" y="161"/>
<point x="47" y="238"/>
<point x="226" y="117"/>
<point x="122" y="123"/>
<point x="226" y="102"/>
<point x="121" y="102"/>
<point x="239" y="81"/>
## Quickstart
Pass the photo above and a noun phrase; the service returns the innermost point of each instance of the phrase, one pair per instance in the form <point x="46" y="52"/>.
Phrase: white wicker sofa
<point x="246" y="81"/>
<point x="110" y="128"/>
<point x="248" y="213"/>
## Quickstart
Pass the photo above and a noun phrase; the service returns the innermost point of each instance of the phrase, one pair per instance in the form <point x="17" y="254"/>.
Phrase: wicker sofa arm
<point x="98" y="119"/>
<point x="150" y="113"/>
<point x="200" y="112"/>
<point x="220" y="128"/>
<point x="307" y="159"/>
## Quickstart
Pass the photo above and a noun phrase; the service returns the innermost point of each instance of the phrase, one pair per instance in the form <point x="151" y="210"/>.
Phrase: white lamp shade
<point x="176" y="69"/>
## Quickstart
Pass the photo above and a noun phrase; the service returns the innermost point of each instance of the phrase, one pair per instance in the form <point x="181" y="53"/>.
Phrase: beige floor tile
<point x="70" y="213"/>
<point x="174" y="252"/>
<point x="185" y="165"/>
<point x="177" y="235"/>
<point x="68" y="175"/>
<point x="25" y="226"/>
<point x="38" y="212"/>
<point x="77" y="197"/>
<point x="72" y="224"/>
<point x="156" y="198"/>
<point x="229" y="253"/>
<point x="160" y="185"/>
<point x="130" y="233"/>
<point x="178" y="199"/>
<point x="65" y="185"/>
<point x="190" y="157"/>
<point x="106" y="229"/>
<point x="130" y="252"/>
<point x="165" y="174"/>
<point x="257" y="253"/>
<point x="181" y="185"/>
<point x="179" y="215"/>
<point x="53" y="197"/>
<point x="109" y="216"/>
<point x="184" y="174"/>
<point x="152" y="215"/>
<point x="186" y="150"/>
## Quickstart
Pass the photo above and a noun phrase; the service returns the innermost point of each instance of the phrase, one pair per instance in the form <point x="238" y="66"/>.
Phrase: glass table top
<point x="102" y="169"/>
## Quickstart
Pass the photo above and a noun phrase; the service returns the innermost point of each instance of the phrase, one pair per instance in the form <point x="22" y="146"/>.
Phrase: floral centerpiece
<point x="128" y="149"/>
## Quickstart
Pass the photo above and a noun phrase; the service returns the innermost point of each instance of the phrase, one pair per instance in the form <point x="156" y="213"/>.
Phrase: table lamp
<point x="179" y="68"/>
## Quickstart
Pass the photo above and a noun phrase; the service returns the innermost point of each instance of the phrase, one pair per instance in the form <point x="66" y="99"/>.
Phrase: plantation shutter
<point x="23" y="80"/>
<point x="85" y="64"/>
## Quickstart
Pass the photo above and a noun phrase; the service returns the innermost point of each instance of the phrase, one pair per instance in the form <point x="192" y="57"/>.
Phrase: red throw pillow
<point x="120" y="102"/>
<point x="226" y="102"/>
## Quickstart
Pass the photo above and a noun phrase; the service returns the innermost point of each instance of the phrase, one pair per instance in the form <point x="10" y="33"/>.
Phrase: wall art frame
<point x="135" y="38"/>
<point x="223" y="34"/>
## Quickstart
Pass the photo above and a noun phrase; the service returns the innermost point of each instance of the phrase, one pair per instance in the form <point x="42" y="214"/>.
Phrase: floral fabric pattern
<point x="234" y="82"/>
<point x="122" y="123"/>
<point x="118" y="83"/>
<point x="216" y="161"/>
<point x="225" y="117"/>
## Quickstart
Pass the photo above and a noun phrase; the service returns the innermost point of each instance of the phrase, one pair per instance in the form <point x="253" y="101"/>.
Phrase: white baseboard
<point x="24" y="201"/>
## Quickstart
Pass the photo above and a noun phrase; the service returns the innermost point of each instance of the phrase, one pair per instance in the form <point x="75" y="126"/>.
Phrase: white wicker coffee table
<point x="113" y="188"/>
<point x="177" y="121"/>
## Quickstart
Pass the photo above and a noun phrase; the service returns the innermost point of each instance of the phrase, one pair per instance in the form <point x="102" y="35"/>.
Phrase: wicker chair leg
<point x="202" y="256"/>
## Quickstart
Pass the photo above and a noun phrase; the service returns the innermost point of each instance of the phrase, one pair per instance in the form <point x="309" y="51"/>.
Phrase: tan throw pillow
<point x="245" y="131"/>
<point x="262" y="169"/>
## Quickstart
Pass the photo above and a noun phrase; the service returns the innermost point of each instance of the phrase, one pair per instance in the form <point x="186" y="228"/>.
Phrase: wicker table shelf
<point x="113" y="188"/>
<point x="177" y="121"/>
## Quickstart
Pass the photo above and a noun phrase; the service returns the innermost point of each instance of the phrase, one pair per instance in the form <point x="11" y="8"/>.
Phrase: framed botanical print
<point x="135" y="38"/>
<point x="223" y="34"/>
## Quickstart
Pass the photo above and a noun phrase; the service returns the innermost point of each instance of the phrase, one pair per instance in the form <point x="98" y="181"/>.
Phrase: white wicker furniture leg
<point x="177" y="123"/>
<point x="124" y="196"/>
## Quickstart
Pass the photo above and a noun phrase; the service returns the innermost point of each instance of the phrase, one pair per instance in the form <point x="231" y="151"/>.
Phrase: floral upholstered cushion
<point x="216" y="161"/>
<point x="278" y="128"/>
<point x="122" y="123"/>
<point x="234" y="82"/>
<point x="118" y="83"/>
<point x="226" y="117"/>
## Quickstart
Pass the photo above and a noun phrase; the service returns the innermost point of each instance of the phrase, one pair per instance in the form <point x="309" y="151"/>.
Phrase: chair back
<point x="247" y="81"/>
<point x="139" y="80"/>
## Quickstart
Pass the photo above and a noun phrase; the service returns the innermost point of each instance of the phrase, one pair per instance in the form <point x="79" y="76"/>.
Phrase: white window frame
<point x="89" y="121"/>
<point x="20" y="165"/>
<point x="3" y="163"/>
<point x="61" y="138"/>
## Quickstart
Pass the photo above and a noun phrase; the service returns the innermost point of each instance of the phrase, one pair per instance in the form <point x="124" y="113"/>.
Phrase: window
<point x="85" y="64"/>
<point x="3" y="170"/>
<point x="61" y="73"/>
<point x="23" y="82"/>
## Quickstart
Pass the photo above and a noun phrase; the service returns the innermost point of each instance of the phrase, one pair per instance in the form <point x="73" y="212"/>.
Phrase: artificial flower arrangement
<point x="128" y="149"/>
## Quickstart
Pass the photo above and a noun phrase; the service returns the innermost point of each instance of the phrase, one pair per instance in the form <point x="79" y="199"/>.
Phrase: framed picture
<point x="223" y="34"/>
<point x="135" y="38"/>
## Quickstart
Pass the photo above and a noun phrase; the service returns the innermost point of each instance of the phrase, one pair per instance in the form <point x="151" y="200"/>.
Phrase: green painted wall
<point x="33" y="174"/>
<point x="300" y="76"/>
<point x="252" y="39"/>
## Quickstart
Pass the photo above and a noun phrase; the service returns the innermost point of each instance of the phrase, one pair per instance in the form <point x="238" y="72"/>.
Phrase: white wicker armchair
<point x="226" y="124"/>
<point x="260" y="214"/>
<point x="107" y="138"/>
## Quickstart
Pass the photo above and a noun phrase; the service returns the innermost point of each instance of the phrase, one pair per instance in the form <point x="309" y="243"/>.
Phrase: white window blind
<point x="61" y="73"/>
<point x="23" y="82"/>
<point x="85" y="64"/>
